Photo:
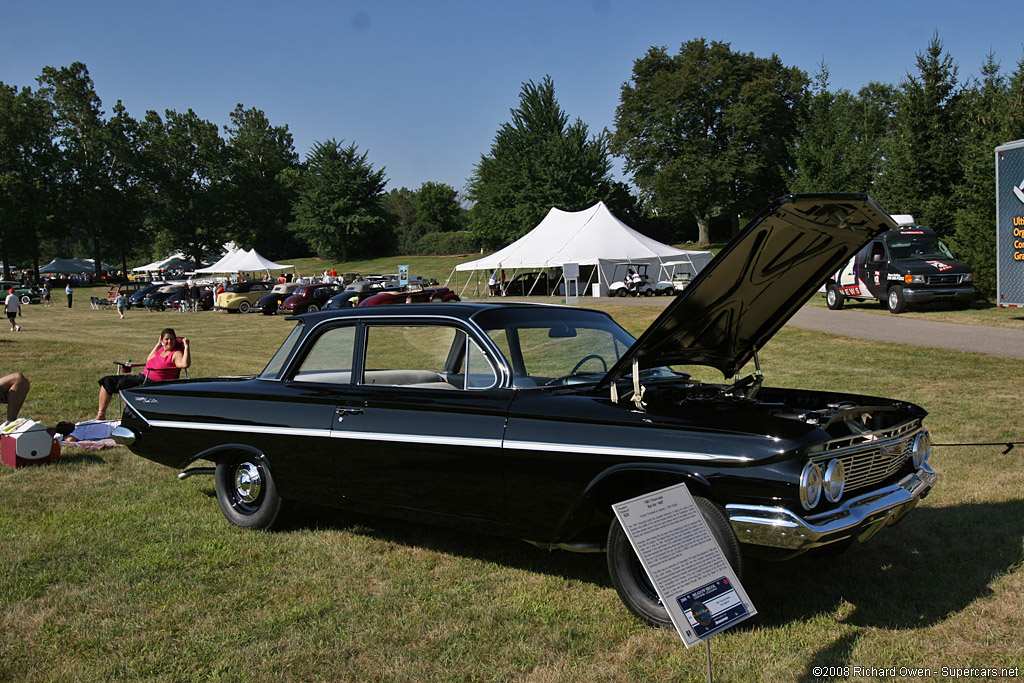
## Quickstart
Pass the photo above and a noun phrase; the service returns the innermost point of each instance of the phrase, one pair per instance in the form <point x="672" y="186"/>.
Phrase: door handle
<point x="342" y="412"/>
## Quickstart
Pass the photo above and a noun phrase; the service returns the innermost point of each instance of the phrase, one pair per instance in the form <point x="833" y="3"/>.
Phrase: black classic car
<point x="531" y="420"/>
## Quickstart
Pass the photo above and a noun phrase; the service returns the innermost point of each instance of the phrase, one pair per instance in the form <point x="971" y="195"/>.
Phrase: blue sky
<point x="423" y="86"/>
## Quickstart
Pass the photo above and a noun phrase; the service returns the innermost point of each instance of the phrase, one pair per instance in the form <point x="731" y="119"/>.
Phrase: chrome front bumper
<point x="858" y="518"/>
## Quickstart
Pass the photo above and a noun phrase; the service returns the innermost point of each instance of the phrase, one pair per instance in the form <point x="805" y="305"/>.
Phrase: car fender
<point x="587" y="518"/>
<point x="217" y="452"/>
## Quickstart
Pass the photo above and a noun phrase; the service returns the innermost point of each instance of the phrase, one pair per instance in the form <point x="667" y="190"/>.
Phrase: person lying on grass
<point x="168" y="358"/>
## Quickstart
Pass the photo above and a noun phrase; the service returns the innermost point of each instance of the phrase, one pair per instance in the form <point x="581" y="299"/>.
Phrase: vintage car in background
<point x="269" y="303"/>
<point x="138" y="296"/>
<point x="240" y="296"/>
<point x="413" y="293"/>
<point x="25" y="293"/>
<point x="311" y="297"/>
<point x="358" y="291"/>
<point x="532" y="420"/>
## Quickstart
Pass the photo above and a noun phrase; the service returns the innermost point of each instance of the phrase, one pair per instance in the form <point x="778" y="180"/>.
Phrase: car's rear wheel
<point x="834" y="298"/>
<point x="246" y="491"/>
<point x="630" y="578"/>
<point x="244" y="307"/>
<point x="649" y="292"/>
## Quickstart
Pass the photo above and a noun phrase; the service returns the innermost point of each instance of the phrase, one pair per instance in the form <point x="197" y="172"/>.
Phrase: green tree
<point x="81" y="138"/>
<point x="28" y="175"/>
<point x="437" y="207"/>
<point x="537" y="161"/>
<point x="924" y="154"/>
<point x="708" y="131"/>
<point x="125" y="203"/>
<point x="839" y="148"/>
<point x="262" y="181"/>
<point x="340" y="210"/>
<point x="996" y="116"/>
<point x="185" y="160"/>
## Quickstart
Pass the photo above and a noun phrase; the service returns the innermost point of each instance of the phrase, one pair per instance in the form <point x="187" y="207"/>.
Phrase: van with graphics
<point x="910" y="265"/>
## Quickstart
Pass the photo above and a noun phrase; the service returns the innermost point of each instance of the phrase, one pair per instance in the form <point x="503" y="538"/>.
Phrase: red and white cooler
<point x="26" y="442"/>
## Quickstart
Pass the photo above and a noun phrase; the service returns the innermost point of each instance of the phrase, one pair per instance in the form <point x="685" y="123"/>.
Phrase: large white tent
<point x="593" y="237"/>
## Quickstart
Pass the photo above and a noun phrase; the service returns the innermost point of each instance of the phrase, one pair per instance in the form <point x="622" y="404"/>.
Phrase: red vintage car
<point x="308" y="298"/>
<point x="412" y="294"/>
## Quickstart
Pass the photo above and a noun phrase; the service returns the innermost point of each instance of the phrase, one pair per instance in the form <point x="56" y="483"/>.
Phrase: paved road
<point x="995" y="341"/>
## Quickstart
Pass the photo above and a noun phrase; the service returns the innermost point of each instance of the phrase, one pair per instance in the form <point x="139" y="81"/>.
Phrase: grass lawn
<point x="111" y="569"/>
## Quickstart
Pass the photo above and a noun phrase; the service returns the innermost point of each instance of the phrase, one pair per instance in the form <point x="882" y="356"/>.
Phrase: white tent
<point x="593" y="237"/>
<point x="176" y="261"/>
<point x="241" y="261"/>
<point x="74" y="265"/>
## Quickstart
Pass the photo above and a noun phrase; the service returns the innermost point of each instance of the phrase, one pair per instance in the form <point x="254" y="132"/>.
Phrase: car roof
<point x="463" y="310"/>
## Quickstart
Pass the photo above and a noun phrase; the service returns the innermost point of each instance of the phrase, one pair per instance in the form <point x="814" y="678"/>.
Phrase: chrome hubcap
<point x="248" y="483"/>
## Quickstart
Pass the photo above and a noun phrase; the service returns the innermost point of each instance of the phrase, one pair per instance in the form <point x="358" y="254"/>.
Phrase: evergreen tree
<point x="839" y="148"/>
<point x="924" y="153"/>
<point x="996" y="116"/>
<point x="537" y="161"/>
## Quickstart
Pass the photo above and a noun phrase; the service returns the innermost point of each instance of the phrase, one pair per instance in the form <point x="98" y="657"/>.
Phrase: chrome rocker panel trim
<point x="858" y="518"/>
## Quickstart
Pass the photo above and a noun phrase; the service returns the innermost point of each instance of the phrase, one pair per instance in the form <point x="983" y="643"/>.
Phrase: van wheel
<point x="630" y="578"/>
<point x="896" y="301"/>
<point x="834" y="298"/>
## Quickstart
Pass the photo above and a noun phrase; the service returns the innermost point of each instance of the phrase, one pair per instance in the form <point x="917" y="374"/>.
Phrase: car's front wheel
<point x="630" y="578"/>
<point x="246" y="491"/>
<point x="312" y="308"/>
<point x="26" y="299"/>
<point x="621" y="292"/>
<point x="896" y="301"/>
<point x="834" y="298"/>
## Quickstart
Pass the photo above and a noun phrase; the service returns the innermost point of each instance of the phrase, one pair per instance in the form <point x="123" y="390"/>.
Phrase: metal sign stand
<point x="707" y="647"/>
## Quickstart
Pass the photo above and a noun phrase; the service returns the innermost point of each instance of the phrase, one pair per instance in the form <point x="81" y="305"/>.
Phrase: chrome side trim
<point x="859" y="518"/>
<point x="447" y="440"/>
<point x="621" y="450"/>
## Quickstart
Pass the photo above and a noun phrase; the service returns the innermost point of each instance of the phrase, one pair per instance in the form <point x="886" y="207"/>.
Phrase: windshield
<point x="918" y="248"/>
<point x="555" y="347"/>
<point x="277" y="362"/>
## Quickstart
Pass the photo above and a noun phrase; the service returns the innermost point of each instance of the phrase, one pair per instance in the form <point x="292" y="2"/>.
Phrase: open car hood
<point x="757" y="282"/>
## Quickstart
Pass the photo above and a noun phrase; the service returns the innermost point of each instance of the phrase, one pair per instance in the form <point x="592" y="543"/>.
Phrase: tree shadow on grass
<point x="935" y="562"/>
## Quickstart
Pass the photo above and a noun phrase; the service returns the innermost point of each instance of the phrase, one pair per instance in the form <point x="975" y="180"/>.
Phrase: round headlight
<point x="810" y="485"/>
<point x="835" y="480"/>
<point x="922" y="448"/>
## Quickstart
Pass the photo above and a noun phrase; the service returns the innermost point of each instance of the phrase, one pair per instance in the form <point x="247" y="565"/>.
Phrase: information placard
<point x="684" y="562"/>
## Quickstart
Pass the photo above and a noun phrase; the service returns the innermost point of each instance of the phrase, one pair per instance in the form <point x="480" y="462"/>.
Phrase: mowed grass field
<point x="112" y="569"/>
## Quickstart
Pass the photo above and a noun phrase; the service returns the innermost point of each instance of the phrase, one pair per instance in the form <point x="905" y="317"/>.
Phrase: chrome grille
<point x="871" y="458"/>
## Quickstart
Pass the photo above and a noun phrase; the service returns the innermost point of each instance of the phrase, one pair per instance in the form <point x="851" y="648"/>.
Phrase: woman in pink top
<point x="165" y="362"/>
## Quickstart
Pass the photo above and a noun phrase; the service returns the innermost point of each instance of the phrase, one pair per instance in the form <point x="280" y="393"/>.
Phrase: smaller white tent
<point x="593" y="237"/>
<point x="241" y="261"/>
<point x="176" y="261"/>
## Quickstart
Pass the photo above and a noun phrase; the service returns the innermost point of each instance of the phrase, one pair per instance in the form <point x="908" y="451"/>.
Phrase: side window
<point x="424" y="356"/>
<point x="330" y="359"/>
<point x="479" y="373"/>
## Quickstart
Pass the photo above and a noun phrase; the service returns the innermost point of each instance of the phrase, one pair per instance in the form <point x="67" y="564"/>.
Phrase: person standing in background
<point x="12" y="306"/>
<point x="69" y="292"/>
